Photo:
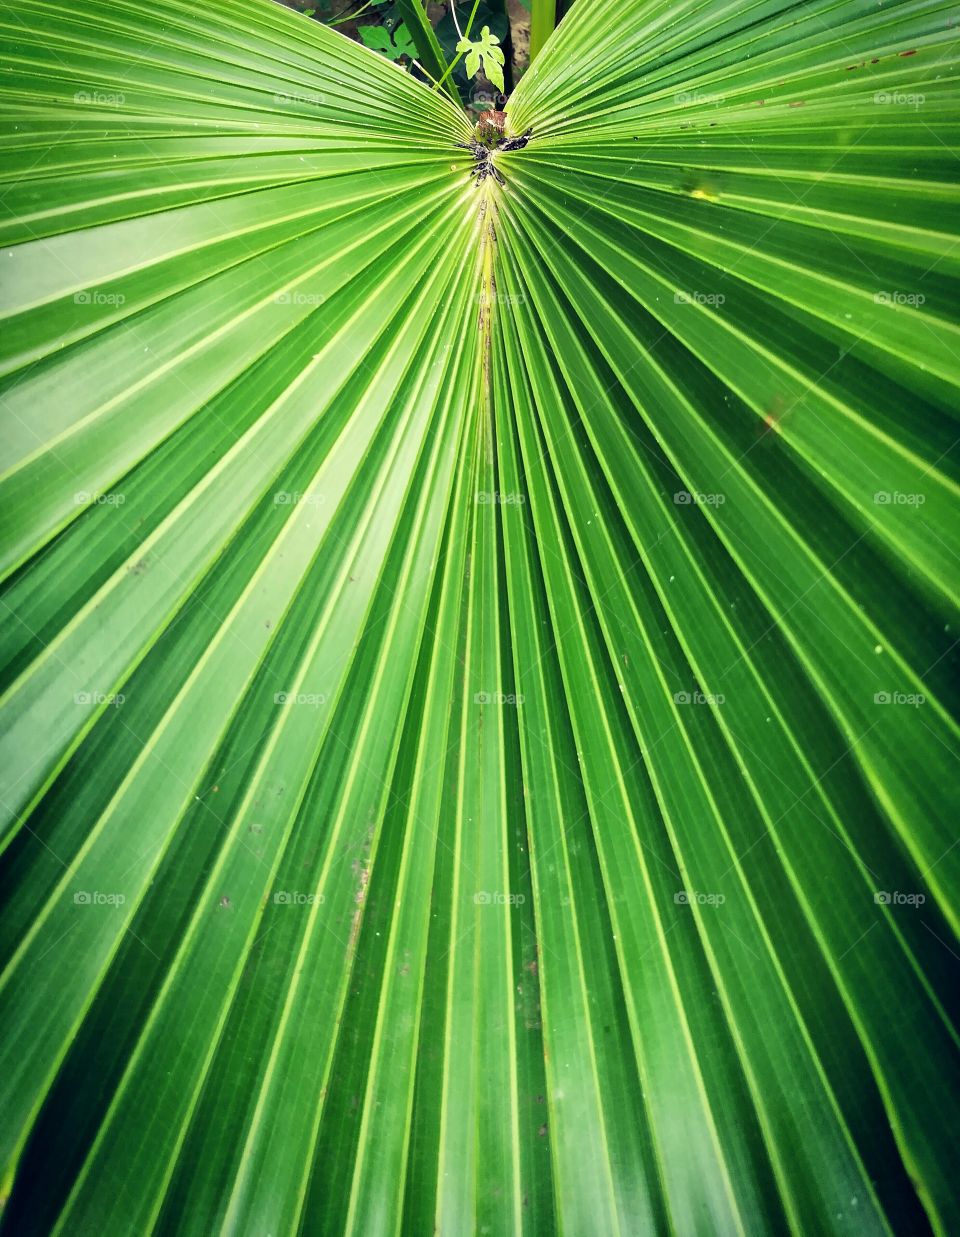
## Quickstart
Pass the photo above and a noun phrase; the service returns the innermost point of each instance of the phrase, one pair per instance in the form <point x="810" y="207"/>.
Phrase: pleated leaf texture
<point x="479" y="742"/>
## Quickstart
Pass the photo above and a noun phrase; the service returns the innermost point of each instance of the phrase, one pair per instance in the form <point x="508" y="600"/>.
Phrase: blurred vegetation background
<point x="380" y="25"/>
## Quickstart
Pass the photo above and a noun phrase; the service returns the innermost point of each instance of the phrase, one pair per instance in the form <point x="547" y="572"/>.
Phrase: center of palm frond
<point x="485" y="144"/>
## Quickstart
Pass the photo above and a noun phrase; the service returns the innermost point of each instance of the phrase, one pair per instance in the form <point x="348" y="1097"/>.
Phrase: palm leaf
<point x="478" y="709"/>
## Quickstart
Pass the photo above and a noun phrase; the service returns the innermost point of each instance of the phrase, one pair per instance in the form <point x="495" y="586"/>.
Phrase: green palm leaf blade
<point x="478" y="711"/>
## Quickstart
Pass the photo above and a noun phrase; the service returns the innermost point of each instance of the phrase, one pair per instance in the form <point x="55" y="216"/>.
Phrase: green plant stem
<point x="426" y="43"/>
<point x="459" y="56"/>
<point x="339" y="21"/>
<point x="543" y="19"/>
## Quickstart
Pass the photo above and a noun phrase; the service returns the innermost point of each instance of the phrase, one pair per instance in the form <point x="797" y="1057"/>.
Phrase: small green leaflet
<point x="487" y="51"/>
<point x="378" y="38"/>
